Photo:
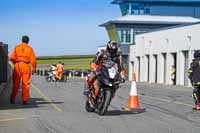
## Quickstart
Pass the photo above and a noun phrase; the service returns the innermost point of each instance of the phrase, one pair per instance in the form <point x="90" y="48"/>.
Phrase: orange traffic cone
<point x="133" y="97"/>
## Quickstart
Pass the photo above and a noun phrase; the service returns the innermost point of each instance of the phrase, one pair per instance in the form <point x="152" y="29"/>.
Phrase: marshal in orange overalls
<point x="59" y="71"/>
<point x="21" y="57"/>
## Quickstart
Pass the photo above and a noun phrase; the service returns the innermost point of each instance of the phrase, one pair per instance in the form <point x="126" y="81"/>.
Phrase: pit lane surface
<point x="59" y="108"/>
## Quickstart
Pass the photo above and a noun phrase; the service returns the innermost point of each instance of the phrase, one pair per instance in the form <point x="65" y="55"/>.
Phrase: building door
<point x="165" y="67"/>
<point x="132" y="67"/>
<point x="156" y="68"/>
<point x="138" y="58"/>
<point x="186" y="66"/>
<point x="148" y="68"/>
<point x="173" y="69"/>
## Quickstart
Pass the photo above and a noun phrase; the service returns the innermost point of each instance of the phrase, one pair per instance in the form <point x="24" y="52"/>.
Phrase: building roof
<point x="171" y="27"/>
<point x="150" y="19"/>
<point x="156" y="1"/>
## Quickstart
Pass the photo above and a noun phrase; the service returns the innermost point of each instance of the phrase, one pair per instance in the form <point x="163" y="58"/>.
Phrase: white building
<point x="154" y="53"/>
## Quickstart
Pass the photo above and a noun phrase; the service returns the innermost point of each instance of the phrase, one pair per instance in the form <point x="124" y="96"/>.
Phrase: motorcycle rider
<point x="53" y="71"/>
<point x="111" y="53"/>
<point x="194" y="75"/>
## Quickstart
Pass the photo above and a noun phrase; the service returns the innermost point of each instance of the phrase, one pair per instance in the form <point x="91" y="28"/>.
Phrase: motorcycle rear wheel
<point x="107" y="99"/>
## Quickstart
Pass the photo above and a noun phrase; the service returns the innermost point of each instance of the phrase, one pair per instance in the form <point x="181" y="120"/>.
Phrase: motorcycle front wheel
<point x="88" y="108"/>
<point x="106" y="103"/>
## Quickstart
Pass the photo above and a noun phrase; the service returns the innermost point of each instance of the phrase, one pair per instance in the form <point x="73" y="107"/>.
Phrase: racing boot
<point x="198" y="106"/>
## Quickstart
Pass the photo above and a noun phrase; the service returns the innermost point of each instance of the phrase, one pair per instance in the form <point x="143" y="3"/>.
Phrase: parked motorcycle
<point x="52" y="78"/>
<point x="108" y="82"/>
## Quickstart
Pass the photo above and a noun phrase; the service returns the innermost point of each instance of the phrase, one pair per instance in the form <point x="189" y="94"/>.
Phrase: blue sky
<point x="56" y="27"/>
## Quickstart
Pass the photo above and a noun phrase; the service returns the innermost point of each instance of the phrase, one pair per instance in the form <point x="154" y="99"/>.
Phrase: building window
<point x="147" y="11"/>
<point x="134" y="37"/>
<point x="128" y="36"/>
<point x="124" y="8"/>
<point x="135" y="11"/>
<point x="141" y="11"/>
<point x="138" y="9"/>
<point x="125" y="35"/>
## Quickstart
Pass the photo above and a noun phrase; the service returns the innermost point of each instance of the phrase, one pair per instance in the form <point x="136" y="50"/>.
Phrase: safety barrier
<point x="3" y="62"/>
<point x="69" y="73"/>
<point x="3" y="66"/>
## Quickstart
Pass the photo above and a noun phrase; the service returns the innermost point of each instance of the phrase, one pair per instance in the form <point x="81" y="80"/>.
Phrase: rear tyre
<point x="106" y="102"/>
<point x="88" y="108"/>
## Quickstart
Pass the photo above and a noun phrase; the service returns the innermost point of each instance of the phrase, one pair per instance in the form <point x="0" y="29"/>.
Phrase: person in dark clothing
<point x="111" y="53"/>
<point x="194" y="76"/>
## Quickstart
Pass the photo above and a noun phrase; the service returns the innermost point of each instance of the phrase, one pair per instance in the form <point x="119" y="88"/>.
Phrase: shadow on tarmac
<point x="124" y="112"/>
<point x="32" y="103"/>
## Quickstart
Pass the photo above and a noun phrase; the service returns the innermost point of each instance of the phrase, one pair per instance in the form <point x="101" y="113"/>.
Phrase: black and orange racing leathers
<point x="97" y="64"/>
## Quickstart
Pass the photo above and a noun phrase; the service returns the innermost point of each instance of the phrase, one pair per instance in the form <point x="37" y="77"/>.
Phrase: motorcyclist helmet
<point x="197" y="54"/>
<point x="112" y="47"/>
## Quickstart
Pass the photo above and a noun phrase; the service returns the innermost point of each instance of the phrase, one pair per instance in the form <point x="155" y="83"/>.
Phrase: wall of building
<point x="156" y="52"/>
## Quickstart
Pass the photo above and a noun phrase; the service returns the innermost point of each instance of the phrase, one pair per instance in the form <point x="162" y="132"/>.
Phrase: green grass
<point x="64" y="57"/>
<point x="77" y="67"/>
<point x="77" y="62"/>
<point x="67" y="61"/>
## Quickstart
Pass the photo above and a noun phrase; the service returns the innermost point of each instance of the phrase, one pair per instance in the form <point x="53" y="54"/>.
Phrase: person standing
<point x="173" y="74"/>
<point x="59" y="70"/>
<point x="194" y="76"/>
<point x="22" y="55"/>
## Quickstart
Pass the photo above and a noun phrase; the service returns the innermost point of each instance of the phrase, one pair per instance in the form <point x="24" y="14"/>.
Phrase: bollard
<point x="45" y="72"/>
<point x="82" y="75"/>
<point x="37" y="72"/>
<point x="70" y="74"/>
<point x="41" y="72"/>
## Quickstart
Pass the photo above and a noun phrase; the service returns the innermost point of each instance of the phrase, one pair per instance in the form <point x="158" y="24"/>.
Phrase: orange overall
<point x="59" y="71"/>
<point x="21" y="57"/>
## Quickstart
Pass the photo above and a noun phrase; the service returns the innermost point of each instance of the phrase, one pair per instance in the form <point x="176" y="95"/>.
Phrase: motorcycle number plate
<point x="112" y="72"/>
